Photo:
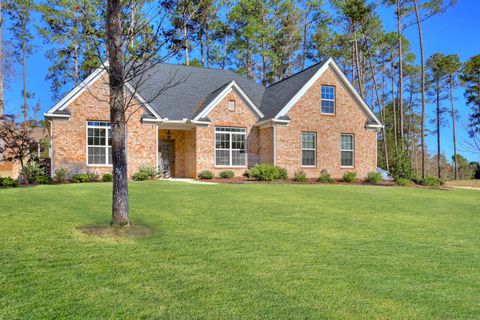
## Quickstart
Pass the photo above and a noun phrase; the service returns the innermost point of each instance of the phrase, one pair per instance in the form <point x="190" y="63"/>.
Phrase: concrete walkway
<point x="192" y="181"/>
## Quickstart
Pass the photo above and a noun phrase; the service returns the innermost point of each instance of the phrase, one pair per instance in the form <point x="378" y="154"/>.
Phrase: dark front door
<point x="166" y="158"/>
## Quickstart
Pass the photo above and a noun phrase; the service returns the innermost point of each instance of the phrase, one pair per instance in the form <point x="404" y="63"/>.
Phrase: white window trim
<point x="352" y="150"/>
<point x="230" y="149"/>
<point x="308" y="149"/>
<point x="106" y="146"/>
<point x="334" y="98"/>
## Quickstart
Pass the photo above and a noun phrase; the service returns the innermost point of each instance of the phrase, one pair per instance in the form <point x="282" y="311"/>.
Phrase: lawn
<point x="242" y="251"/>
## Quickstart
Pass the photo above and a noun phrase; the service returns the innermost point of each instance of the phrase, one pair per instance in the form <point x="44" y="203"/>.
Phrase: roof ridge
<point x="296" y="74"/>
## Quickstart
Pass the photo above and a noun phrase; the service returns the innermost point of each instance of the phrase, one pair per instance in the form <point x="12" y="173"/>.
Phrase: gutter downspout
<point x="274" y="144"/>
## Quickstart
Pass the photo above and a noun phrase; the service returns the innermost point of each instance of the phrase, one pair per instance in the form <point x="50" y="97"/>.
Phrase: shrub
<point x="92" y="177"/>
<point x="44" y="180"/>
<point x="349" y="177"/>
<point x="80" y="178"/>
<point x="60" y="175"/>
<point x="107" y="177"/>
<point x="268" y="172"/>
<point x="374" y="177"/>
<point x="33" y="170"/>
<point x="246" y="174"/>
<point x="205" y="174"/>
<point x="429" y="182"/>
<point x="401" y="166"/>
<point x="8" y="182"/>
<point x="403" y="182"/>
<point x="151" y="172"/>
<point x="300" y="176"/>
<point x="325" y="177"/>
<point x="227" y="174"/>
<point x="140" y="176"/>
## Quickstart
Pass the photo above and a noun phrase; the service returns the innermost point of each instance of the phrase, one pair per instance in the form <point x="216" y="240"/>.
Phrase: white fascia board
<point x="232" y="85"/>
<point x="329" y="63"/>
<point x="78" y="90"/>
<point x="271" y="122"/>
<point x="54" y="115"/>
<point x="142" y="100"/>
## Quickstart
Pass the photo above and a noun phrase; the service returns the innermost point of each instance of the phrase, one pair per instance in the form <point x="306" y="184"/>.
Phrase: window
<point x="230" y="147"/>
<point x="328" y="99"/>
<point x="346" y="149"/>
<point x="231" y="105"/>
<point x="99" y="143"/>
<point x="309" y="149"/>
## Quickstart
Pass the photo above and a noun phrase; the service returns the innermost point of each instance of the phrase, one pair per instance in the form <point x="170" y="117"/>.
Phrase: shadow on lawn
<point x="134" y="231"/>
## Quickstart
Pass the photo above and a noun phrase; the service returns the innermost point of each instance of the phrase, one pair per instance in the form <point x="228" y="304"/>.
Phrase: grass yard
<point x="242" y="251"/>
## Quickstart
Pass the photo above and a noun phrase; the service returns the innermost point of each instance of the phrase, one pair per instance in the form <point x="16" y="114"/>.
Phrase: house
<point x="191" y="119"/>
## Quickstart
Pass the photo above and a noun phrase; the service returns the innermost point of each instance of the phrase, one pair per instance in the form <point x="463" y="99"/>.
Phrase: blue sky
<point x="456" y="31"/>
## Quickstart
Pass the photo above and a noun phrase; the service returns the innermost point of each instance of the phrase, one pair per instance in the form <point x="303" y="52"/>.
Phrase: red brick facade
<point x="194" y="149"/>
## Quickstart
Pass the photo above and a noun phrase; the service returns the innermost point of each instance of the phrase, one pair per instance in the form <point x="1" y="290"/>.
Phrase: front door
<point x="166" y="158"/>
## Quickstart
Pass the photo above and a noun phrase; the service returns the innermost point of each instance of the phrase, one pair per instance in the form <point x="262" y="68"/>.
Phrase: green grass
<point x="242" y="251"/>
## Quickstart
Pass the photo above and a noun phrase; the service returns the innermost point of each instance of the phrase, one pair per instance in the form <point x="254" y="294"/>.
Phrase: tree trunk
<point x="225" y="48"/>
<point x="437" y="89"/>
<point x="24" y="71"/>
<point x="117" y="114"/>
<point x="455" y="162"/>
<point x="422" y="57"/>
<point x="305" y="35"/>
<point x="394" y="108"/>
<point x="185" y="43"/>
<point x="357" y="62"/>
<point x="400" y="71"/>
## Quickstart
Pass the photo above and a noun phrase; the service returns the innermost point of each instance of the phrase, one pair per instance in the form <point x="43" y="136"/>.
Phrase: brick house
<point x="191" y="119"/>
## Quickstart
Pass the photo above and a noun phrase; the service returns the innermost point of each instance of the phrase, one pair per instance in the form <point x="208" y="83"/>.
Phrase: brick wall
<point x="306" y="116"/>
<point x="220" y="116"/>
<point x="69" y="136"/>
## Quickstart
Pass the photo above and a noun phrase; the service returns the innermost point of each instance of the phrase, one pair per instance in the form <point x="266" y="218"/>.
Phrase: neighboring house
<point x="210" y="119"/>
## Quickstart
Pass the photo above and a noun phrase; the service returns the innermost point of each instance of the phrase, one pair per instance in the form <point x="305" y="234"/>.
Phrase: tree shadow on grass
<point x="134" y="231"/>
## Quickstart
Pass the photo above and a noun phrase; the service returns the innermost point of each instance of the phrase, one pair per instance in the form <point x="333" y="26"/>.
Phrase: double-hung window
<point x="347" y="150"/>
<point x="99" y="143"/>
<point x="309" y="149"/>
<point x="328" y="99"/>
<point x="230" y="147"/>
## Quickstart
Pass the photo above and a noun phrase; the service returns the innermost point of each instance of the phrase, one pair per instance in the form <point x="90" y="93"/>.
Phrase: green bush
<point x="300" y="176"/>
<point x="349" y="177"/>
<point x="140" y="176"/>
<point x="151" y="172"/>
<point x="93" y="177"/>
<point x="8" y="182"/>
<point x="205" y="174"/>
<point x="325" y="177"/>
<point x="403" y="182"/>
<point x="268" y="172"/>
<point x="401" y="165"/>
<point x="227" y="174"/>
<point x="429" y="182"/>
<point x="107" y="177"/>
<point x="374" y="177"/>
<point x="44" y="180"/>
<point x="60" y="175"/>
<point x="79" y="178"/>
<point x="33" y="170"/>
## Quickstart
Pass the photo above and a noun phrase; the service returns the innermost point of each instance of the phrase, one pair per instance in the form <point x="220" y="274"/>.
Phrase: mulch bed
<point x="244" y="180"/>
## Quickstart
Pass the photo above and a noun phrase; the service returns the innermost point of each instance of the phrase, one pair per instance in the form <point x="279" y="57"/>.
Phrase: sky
<point x="455" y="31"/>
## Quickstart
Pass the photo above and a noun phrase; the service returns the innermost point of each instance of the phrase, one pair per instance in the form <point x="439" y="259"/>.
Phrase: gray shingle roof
<point x="179" y="92"/>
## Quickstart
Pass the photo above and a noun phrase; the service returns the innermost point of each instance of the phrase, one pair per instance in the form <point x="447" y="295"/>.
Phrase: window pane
<point x="238" y="158"/>
<point x="347" y="142"/>
<point x="109" y="155"/>
<point x="328" y="106"/>
<point x="308" y="140"/>
<point x="96" y="137"/>
<point x="227" y="129"/>
<point x="96" y="155"/>
<point x="222" y="158"/>
<point x="238" y="141"/>
<point x="347" y="158"/>
<point x="308" y="157"/>
<point x="109" y="137"/>
<point x="222" y="141"/>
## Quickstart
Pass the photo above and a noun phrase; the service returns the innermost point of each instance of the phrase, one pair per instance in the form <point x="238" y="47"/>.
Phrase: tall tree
<point x="2" y="100"/>
<point x="471" y="77"/>
<point x="452" y="67"/>
<point x="20" y="14"/>
<point x="436" y="75"/>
